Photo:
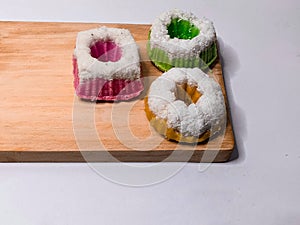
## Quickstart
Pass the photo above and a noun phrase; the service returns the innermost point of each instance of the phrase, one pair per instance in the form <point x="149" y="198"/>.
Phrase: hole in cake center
<point x="182" y="29"/>
<point x="106" y="51"/>
<point x="186" y="93"/>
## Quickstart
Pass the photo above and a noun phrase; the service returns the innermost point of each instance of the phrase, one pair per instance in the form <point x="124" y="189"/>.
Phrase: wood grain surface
<point x="41" y="119"/>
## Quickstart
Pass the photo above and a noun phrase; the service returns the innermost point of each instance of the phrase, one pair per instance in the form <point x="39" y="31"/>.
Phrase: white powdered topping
<point x="194" y="119"/>
<point x="181" y="48"/>
<point x="128" y="67"/>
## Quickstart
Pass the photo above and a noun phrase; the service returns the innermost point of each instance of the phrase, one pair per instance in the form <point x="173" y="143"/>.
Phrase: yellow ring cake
<point x="186" y="105"/>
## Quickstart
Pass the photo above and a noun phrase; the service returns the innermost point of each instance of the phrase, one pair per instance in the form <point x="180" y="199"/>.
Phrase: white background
<point x="260" y="46"/>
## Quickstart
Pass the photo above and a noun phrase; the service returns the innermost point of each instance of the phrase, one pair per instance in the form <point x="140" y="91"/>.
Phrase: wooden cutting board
<point x="41" y="120"/>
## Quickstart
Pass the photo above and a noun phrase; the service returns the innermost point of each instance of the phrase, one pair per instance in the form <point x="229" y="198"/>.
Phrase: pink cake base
<point x="107" y="90"/>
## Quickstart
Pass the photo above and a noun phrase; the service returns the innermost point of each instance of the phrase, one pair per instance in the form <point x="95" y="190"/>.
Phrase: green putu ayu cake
<point x="179" y="39"/>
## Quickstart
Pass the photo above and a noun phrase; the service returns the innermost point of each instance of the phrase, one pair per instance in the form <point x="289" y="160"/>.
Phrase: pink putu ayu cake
<point x="107" y="65"/>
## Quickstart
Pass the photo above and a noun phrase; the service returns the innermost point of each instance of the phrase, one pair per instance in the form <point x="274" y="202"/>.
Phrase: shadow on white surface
<point x="231" y="66"/>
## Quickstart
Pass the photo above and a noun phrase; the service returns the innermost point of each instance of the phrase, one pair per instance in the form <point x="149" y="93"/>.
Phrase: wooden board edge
<point x="112" y="156"/>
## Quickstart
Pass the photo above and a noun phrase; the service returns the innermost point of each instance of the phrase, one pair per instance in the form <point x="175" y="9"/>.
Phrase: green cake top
<point x="182" y="29"/>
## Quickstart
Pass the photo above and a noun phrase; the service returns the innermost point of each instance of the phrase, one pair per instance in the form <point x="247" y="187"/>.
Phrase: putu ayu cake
<point x="180" y="39"/>
<point x="106" y="65"/>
